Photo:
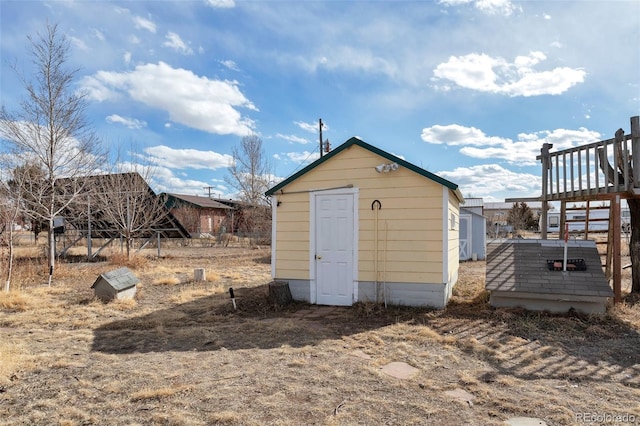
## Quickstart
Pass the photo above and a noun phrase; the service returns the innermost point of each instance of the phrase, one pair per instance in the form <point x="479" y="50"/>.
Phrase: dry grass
<point x="155" y="394"/>
<point x="180" y="354"/>
<point x="13" y="357"/>
<point x="13" y="301"/>
<point x="166" y="280"/>
<point x="134" y="261"/>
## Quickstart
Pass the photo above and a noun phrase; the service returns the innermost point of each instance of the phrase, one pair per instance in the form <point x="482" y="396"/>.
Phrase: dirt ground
<point x="181" y="355"/>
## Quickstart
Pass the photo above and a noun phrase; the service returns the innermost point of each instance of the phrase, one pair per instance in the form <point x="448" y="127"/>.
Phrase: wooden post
<point x="280" y="293"/>
<point x="544" y="157"/>
<point x="563" y="220"/>
<point x="89" y="248"/>
<point x="199" y="274"/>
<point x="617" y="261"/>
<point x="610" y="238"/>
<point x="586" y="220"/>
<point x="635" y="150"/>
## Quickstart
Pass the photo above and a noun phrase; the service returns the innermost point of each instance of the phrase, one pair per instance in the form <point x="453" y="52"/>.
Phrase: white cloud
<point x="491" y="7"/>
<point x="175" y="42"/>
<point x="79" y="43"/>
<point x="222" y="4"/>
<point x="145" y="24"/>
<point x="292" y="138"/>
<point x="455" y="135"/>
<point x="187" y="158"/>
<point x="194" y="101"/>
<point x="495" y="75"/>
<point x="230" y="64"/>
<point x="488" y="180"/>
<point x="353" y="59"/>
<point x="131" y="123"/>
<point x="475" y="143"/>
<point x="127" y="57"/>
<point x="304" y="157"/>
<point x="98" y="34"/>
<point x="309" y="127"/>
<point x="164" y="180"/>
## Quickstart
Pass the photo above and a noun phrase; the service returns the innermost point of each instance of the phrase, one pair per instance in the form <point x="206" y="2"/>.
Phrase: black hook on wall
<point x="376" y="202"/>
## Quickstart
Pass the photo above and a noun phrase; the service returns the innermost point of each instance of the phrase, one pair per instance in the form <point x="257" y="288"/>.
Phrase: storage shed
<point x="117" y="284"/>
<point x="473" y="235"/>
<point x="360" y="224"/>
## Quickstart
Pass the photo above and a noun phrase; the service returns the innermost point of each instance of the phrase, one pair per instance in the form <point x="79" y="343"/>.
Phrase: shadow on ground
<point x="211" y="323"/>
<point x="540" y="345"/>
<point x="527" y="345"/>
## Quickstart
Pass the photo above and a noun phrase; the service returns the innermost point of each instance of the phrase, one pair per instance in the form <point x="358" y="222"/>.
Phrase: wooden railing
<point x="596" y="170"/>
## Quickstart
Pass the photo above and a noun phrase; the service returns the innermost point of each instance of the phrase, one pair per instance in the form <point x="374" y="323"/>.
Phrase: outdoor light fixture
<point x="386" y="168"/>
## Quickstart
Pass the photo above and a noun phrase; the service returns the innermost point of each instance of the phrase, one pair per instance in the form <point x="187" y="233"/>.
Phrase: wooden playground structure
<point x="597" y="172"/>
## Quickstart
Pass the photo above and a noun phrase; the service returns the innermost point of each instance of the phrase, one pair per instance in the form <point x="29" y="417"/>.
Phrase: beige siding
<point x="409" y="237"/>
<point x="454" y="240"/>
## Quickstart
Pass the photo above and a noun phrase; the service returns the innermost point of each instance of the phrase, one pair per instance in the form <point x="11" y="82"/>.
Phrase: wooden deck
<point x="594" y="171"/>
<point x="602" y="170"/>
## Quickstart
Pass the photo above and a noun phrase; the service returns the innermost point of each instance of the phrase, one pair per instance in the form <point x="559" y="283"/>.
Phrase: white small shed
<point x="117" y="284"/>
<point x="473" y="235"/>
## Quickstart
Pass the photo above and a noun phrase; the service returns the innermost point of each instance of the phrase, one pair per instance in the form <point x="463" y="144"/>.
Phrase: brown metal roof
<point x="204" y="202"/>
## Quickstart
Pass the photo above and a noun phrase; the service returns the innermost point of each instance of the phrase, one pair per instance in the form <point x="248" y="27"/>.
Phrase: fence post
<point x="544" y="157"/>
<point x="635" y="150"/>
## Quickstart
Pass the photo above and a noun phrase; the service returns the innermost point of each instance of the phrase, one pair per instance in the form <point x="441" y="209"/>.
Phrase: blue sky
<point x="469" y="90"/>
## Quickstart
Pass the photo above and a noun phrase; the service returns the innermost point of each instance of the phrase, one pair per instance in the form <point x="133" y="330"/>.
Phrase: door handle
<point x="318" y="257"/>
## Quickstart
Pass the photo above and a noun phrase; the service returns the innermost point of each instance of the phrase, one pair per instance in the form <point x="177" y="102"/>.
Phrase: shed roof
<point x="473" y="202"/>
<point x="506" y="206"/>
<point x="471" y="212"/>
<point x="355" y="141"/>
<point x="204" y="202"/>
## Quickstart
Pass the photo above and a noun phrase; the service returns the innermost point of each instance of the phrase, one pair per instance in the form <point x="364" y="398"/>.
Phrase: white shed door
<point x="334" y="249"/>
<point x="465" y="237"/>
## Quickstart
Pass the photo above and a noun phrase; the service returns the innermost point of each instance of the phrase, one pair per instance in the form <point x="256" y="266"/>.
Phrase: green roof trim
<point x="355" y="141"/>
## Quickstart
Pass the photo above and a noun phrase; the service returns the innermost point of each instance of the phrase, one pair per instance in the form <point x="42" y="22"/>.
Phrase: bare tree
<point x="10" y="210"/>
<point x="250" y="170"/>
<point x="15" y="193"/>
<point x="250" y="174"/>
<point x="50" y="130"/>
<point x="128" y="205"/>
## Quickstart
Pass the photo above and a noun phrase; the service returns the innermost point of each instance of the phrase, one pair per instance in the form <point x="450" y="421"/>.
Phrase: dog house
<point x="117" y="284"/>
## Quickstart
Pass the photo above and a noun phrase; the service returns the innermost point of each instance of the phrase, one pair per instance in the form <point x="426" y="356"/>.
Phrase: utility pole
<point x="320" y="126"/>
<point x="209" y="188"/>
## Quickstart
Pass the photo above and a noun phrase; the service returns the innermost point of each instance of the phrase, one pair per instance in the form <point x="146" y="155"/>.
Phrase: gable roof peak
<point x="359" y="142"/>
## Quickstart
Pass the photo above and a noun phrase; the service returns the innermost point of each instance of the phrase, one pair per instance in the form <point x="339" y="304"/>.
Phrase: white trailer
<point x="576" y="218"/>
